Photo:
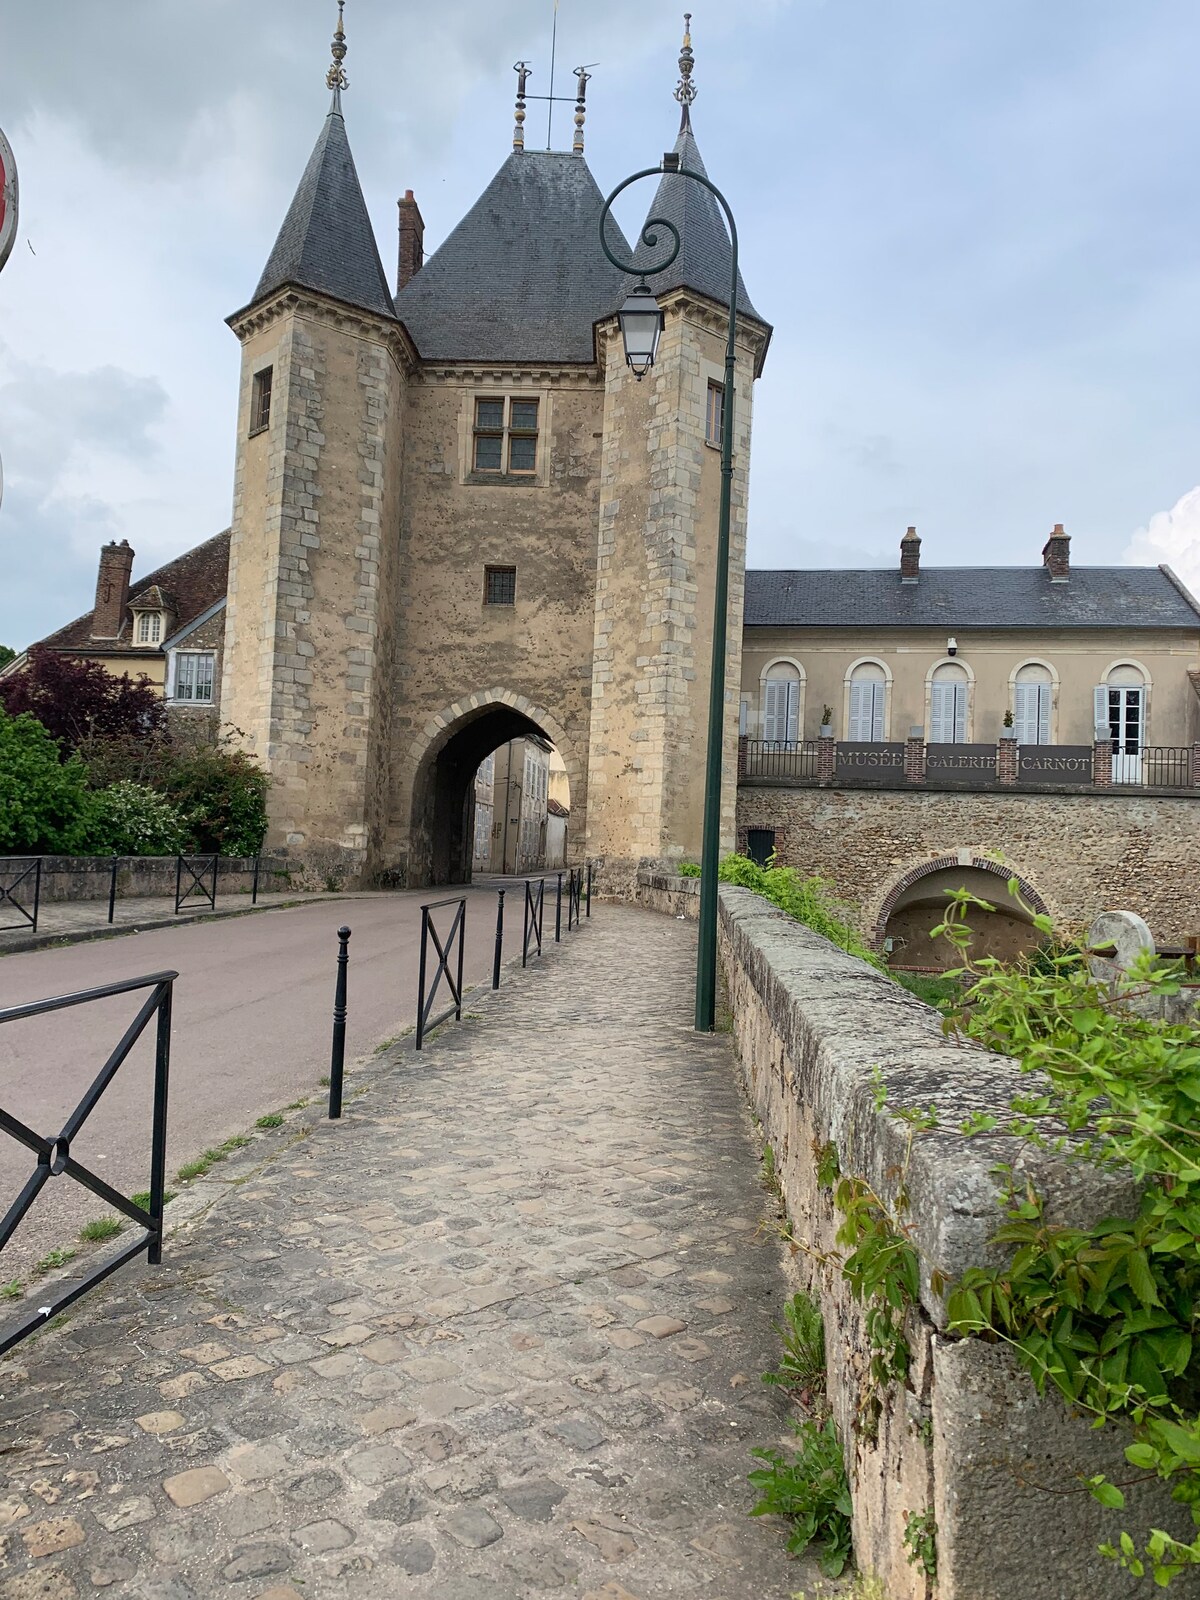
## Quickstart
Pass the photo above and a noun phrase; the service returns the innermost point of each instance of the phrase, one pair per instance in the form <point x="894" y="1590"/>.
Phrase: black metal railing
<point x="21" y="888"/>
<point x="793" y="760"/>
<point x="574" y="897"/>
<point x="1165" y="766"/>
<point x="446" y="953"/>
<point x="202" y="881"/>
<point x="53" y="1151"/>
<point x="534" y="907"/>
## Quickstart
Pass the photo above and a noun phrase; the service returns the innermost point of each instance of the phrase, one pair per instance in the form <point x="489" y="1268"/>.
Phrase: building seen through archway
<point x="521" y="800"/>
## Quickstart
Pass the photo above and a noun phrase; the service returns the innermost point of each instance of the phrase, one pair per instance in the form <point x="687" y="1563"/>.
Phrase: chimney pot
<point x="412" y="240"/>
<point x="112" y="589"/>
<point x="910" y="557"/>
<point x="1056" y="555"/>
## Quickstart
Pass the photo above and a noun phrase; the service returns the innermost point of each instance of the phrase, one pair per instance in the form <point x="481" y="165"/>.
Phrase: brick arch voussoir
<point x="931" y="864"/>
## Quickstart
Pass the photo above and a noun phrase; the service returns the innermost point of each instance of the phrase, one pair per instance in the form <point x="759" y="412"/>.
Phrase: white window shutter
<point x="941" y="713"/>
<point x="1100" y="705"/>
<point x="1031" y="713"/>
<point x="860" y="712"/>
<point x="772" y="697"/>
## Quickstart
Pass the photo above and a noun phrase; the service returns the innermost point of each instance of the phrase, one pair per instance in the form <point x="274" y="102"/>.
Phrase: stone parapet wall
<point x="89" y="877"/>
<point x="967" y="1437"/>
<point x="1081" y="854"/>
<point x="663" y="891"/>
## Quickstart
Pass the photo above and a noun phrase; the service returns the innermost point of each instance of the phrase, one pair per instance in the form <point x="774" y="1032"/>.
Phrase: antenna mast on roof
<point x="550" y="96"/>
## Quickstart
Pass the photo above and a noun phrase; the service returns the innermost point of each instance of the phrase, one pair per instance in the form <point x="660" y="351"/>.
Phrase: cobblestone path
<point x="498" y="1334"/>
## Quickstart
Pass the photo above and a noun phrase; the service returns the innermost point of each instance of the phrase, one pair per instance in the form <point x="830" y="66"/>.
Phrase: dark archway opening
<point x="444" y="798"/>
<point x="1006" y="932"/>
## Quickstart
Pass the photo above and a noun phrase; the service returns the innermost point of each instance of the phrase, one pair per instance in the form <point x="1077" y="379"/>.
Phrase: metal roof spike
<point x="336" y="78"/>
<point x="685" y="91"/>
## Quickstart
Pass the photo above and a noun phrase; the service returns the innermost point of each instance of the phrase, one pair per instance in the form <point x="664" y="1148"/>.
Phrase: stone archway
<point x="916" y="902"/>
<point x="439" y="771"/>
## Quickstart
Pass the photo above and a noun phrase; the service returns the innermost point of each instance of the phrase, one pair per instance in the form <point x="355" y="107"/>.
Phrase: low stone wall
<point x="967" y="1437"/>
<point x="89" y="877"/>
<point x="663" y="891"/>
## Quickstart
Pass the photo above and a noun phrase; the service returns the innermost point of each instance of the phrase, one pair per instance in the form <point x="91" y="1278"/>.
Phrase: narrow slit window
<point x="499" y="586"/>
<point x="260" y="401"/>
<point x="715" y="420"/>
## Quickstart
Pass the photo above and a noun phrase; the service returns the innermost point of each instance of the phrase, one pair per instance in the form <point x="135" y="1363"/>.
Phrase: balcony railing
<point x="1004" y="764"/>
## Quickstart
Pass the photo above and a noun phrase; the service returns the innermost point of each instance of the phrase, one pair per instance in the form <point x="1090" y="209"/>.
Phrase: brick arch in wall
<point x="949" y="863"/>
<point x="460" y="736"/>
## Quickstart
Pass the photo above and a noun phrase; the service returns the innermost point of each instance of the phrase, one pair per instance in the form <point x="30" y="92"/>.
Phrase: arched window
<point x="868" y="703"/>
<point x="1033" y="693"/>
<point x="949" y="704"/>
<point x="1121" y="707"/>
<point x="782" y="686"/>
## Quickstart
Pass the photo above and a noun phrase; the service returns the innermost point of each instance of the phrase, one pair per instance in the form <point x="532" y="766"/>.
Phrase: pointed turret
<point x="326" y="241"/>
<point x="705" y="254"/>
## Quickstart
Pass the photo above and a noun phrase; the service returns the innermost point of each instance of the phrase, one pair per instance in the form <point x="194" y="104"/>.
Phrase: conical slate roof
<point x="326" y="241"/>
<point x="705" y="256"/>
<point x="522" y="277"/>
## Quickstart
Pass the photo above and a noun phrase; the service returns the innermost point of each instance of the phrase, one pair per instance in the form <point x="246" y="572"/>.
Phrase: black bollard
<point x="499" y="940"/>
<point x="558" y="913"/>
<point x="337" y="1055"/>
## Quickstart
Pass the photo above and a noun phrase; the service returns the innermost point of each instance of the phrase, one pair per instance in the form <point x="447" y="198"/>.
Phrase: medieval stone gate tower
<point x="458" y="518"/>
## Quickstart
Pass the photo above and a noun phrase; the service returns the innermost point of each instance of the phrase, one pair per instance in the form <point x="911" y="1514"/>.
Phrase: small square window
<point x="524" y="416"/>
<point x="489" y="414"/>
<point x="194" y="676"/>
<point x="506" y="436"/>
<point x="715" y="419"/>
<point x="260" y="401"/>
<point x="522" y="452"/>
<point x="488" y="452"/>
<point x="499" y="586"/>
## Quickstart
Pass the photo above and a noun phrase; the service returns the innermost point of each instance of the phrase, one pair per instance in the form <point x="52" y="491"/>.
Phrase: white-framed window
<point x="867" y="716"/>
<point x="949" y="704"/>
<point x="782" y="686"/>
<point x="1120" y="703"/>
<point x="149" y="627"/>
<point x="193" y="676"/>
<point x="1033" y="702"/>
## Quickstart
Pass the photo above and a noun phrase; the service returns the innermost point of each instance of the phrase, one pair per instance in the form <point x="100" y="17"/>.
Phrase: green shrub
<point x="688" y="869"/>
<point x="223" y="794"/>
<point x="130" y="819"/>
<point x="806" y="899"/>
<point x="44" y="801"/>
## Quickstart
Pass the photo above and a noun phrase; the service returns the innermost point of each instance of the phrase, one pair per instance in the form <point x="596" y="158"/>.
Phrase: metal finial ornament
<point x="524" y="72"/>
<point x="685" y="91"/>
<point x="336" y="78"/>
<point x="584" y="77"/>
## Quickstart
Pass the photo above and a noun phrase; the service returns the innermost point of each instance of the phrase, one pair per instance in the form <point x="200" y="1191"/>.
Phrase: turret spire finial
<point x="584" y="77"/>
<point x="685" y="92"/>
<point x="523" y="71"/>
<point x="336" y="78"/>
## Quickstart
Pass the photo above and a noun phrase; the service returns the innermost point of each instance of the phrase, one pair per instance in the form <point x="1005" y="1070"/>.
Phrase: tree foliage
<point x="809" y="900"/>
<point x="79" y="701"/>
<point x="44" y="802"/>
<point x="130" y="819"/>
<point x="223" y="794"/>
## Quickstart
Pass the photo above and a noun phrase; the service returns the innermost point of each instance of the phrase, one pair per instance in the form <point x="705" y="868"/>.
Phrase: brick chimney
<point x="412" y="240"/>
<point x="910" y="557"/>
<point x="112" y="589"/>
<point x="1056" y="555"/>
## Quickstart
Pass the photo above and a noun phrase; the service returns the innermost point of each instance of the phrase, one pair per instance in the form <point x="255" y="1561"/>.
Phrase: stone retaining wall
<point x="88" y="877"/>
<point x="968" y="1436"/>
<point x="663" y="891"/>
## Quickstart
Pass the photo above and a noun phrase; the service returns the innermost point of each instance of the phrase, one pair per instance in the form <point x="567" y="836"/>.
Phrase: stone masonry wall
<point x="1081" y="854"/>
<point x="655" y="573"/>
<point x="967" y="1437"/>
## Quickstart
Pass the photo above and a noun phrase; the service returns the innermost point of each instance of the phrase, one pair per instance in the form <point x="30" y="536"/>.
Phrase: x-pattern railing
<point x="12" y="879"/>
<point x="447" y="950"/>
<point x="534" y="906"/>
<point x="53" y="1151"/>
<point x="574" y="897"/>
<point x="202" y="875"/>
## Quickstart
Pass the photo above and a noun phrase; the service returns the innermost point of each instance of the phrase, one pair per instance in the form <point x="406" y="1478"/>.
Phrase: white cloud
<point x="1171" y="538"/>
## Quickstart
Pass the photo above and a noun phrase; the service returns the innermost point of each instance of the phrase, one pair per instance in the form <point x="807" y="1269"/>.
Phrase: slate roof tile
<point x="193" y="582"/>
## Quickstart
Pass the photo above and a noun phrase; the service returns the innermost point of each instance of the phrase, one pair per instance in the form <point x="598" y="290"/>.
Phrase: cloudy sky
<point x="972" y="223"/>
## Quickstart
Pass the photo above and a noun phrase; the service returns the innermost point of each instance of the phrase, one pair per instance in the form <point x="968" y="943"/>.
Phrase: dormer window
<point x="149" y="627"/>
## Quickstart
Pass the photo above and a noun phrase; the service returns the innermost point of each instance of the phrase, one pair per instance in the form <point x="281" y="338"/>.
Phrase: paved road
<point x="494" y="1336"/>
<point x="251" y="1033"/>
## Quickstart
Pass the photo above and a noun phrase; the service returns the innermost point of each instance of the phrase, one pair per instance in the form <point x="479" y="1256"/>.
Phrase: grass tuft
<point x="13" y="1290"/>
<point x="100" y="1228"/>
<point x="273" y="1119"/>
<point x="53" y="1259"/>
<point x="142" y="1198"/>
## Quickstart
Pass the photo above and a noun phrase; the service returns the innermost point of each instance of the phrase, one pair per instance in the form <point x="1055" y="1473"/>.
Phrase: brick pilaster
<point x="1007" y="760"/>
<point x="742" y="741"/>
<point x="1196" y="765"/>
<point x="1102" y="764"/>
<point x="914" y="758"/>
<point x="826" y="760"/>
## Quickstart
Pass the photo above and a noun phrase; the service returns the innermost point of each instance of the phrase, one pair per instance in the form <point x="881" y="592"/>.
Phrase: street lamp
<point x="636" y="316"/>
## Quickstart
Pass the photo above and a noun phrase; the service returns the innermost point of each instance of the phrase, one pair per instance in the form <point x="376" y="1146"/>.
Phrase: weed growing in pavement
<point x="100" y="1228"/>
<point x="811" y="1491"/>
<point x="142" y="1198"/>
<point x="273" y="1119"/>
<point x="53" y="1259"/>
<point x="920" y="1540"/>
<point x="202" y="1163"/>
<point x="297" y="1105"/>
<point x="767" y="1170"/>
<point x="13" y="1290"/>
<point x="864" y="1587"/>
<point x="802" y="1365"/>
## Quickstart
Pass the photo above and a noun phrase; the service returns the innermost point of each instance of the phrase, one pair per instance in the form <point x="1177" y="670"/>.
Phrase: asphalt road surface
<point x="251" y="1032"/>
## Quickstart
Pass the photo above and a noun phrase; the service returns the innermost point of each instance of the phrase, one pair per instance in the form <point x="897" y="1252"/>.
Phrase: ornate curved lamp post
<point x="641" y="319"/>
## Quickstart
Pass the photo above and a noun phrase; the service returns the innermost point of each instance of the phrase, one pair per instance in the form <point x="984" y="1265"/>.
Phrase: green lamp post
<point x="641" y="321"/>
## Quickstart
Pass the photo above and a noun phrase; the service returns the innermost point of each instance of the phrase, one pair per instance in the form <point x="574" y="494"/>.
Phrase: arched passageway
<point x="919" y="902"/>
<point x="446" y="841"/>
